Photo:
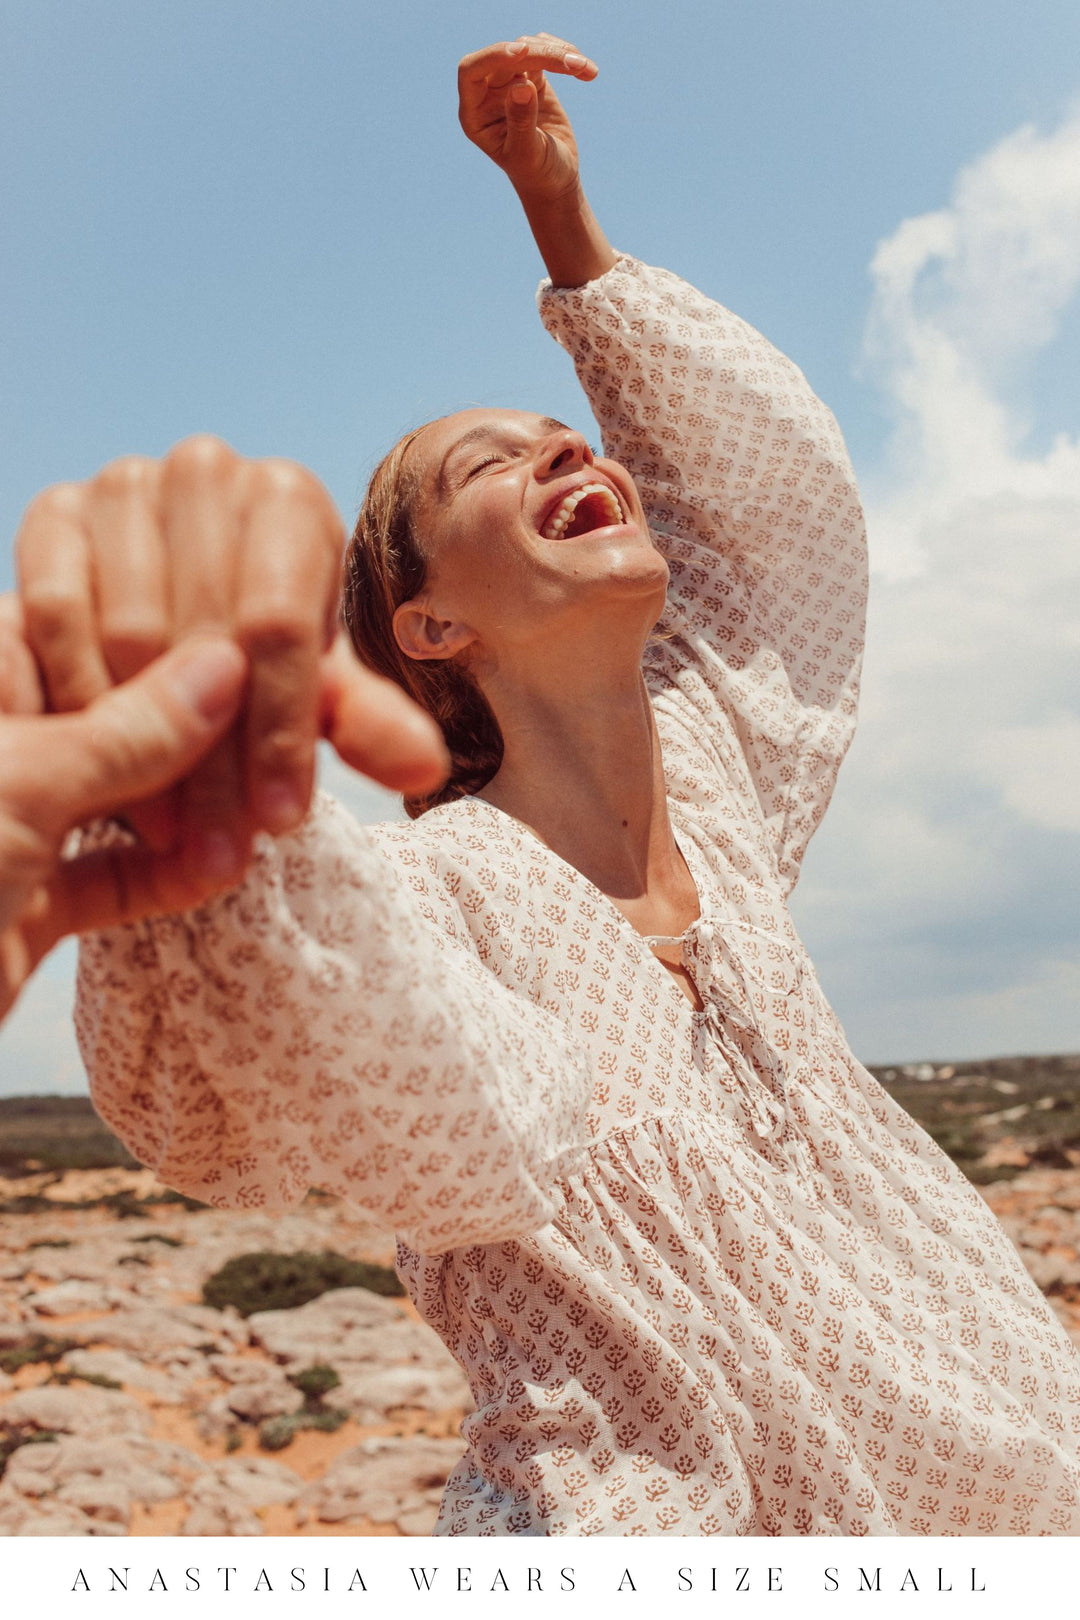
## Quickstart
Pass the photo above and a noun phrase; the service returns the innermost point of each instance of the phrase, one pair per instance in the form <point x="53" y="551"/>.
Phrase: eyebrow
<point x="478" y="434"/>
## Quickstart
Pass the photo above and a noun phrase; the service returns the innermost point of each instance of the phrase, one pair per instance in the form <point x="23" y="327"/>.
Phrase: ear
<point x="420" y="634"/>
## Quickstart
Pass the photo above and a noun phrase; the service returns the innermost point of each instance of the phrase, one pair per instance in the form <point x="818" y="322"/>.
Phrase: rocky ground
<point x="130" y="1407"/>
<point x="153" y="1407"/>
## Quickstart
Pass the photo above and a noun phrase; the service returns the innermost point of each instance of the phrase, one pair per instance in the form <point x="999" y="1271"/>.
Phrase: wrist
<point x="568" y="235"/>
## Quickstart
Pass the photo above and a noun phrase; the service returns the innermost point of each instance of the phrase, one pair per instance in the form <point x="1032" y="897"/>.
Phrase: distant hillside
<point x="993" y="1116"/>
<point x="56" y="1133"/>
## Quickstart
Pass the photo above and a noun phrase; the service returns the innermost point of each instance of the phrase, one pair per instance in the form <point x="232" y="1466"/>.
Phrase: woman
<point x="705" y="1276"/>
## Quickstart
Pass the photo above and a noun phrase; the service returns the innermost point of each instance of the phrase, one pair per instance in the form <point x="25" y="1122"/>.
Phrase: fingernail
<point x="279" y="804"/>
<point x="573" y="60"/>
<point x="207" y="676"/>
<point x="519" y="90"/>
<point x="217" y="855"/>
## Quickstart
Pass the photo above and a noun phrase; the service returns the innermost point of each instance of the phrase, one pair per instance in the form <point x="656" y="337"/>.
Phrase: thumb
<point x="137" y="739"/>
<point x="522" y="108"/>
<point x="377" y="729"/>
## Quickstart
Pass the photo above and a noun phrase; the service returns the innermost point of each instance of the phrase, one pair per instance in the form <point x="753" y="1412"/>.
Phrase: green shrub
<point x="100" y="1379"/>
<point x="265" y="1281"/>
<point x="315" y="1382"/>
<point x="278" y="1432"/>
<point x="39" y="1347"/>
<point x="14" y="1435"/>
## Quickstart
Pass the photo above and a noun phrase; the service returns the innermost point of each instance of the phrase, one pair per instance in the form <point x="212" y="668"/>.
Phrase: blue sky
<point x="263" y="220"/>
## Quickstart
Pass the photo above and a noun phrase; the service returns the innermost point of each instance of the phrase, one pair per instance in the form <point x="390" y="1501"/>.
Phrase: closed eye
<point x="478" y="466"/>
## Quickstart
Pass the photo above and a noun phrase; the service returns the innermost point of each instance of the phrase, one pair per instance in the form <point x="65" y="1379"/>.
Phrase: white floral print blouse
<point x="704" y="1274"/>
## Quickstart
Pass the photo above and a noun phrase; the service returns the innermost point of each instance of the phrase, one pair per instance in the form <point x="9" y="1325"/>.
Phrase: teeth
<point x="559" y="519"/>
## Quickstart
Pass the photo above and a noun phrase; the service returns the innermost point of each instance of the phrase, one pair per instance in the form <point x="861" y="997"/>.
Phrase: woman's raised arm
<point x="508" y="109"/>
<point x="741" y="469"/>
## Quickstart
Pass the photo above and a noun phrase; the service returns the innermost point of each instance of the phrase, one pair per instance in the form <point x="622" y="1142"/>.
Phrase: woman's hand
<point x="149" y="553"/>
<point x="509" y="110"/>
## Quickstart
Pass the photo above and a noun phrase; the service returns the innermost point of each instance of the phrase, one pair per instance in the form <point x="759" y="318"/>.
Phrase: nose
<point x="562" y="451"/>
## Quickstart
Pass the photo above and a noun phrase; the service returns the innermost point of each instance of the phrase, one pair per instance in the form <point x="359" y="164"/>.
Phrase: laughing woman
<point x="559" y="1031"/>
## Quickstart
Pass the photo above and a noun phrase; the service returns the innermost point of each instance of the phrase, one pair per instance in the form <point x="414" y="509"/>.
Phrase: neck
<point x="583" y="770"/>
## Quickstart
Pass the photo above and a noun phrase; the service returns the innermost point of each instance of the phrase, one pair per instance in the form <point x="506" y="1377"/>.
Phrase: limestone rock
<point x="389" y="1481"/>
<point x="251" y="1481"/>
<point x="268" y="1396"/>
<point x="369" y="1393"/>
<point x="347" y="1325"/>
<point x="67" y="1298"/>
<point x="77" y="1409"/>
<point x="125" y="1369"/>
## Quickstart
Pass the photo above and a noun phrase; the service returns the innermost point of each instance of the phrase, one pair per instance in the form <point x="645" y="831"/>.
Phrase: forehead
<point x="440" y="439"/>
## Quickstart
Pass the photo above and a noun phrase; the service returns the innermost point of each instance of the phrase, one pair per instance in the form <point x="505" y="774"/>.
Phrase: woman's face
<point x="524" y="530"/>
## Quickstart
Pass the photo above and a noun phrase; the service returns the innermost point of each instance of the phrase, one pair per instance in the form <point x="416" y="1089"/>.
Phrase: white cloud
<point x="952" y="842"/>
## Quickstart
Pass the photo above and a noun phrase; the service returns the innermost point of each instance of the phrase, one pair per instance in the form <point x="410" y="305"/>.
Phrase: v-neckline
<point x="698" y="875"/>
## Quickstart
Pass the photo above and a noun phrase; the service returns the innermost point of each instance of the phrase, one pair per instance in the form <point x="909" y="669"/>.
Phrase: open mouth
<point x="590" y="506"/>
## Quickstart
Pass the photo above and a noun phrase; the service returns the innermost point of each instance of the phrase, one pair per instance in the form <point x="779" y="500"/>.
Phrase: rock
<point x="81" y="1409"/>
<point x="31" y="1469"/>
<point x="236" y="1369"/>
<point x="251" y="1481"/>
<point x="148" y="1470"/>
<point x="220" y="1519"/>
<point x="99" y="1499"/>
<point x="265" y="1397"/>
<point x="150" y="1330"/>
<point x="68" y="1298"/>
<point x="125" y="1369"/>
<point x="347" y="1325"/>
<point x="22" y="1518"/>
<point x="216" y="1419"/>
<point x="369" y="1393"/>
<point x="388" y="1481"/>
<point x="1052" y="1270"/>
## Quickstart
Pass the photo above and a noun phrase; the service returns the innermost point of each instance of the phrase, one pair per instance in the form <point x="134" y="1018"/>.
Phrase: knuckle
<point x="201" y="458"/>
<point x="270" y="630"/>
<point x="59" y="501"/>
<point x="277" y="475"/>
<point x="131" y="640"/>
<point x="126" y="476"/>
<point x="282" y="750"/>
<point x="50" y="609"/>
<point x="118" y="741"/>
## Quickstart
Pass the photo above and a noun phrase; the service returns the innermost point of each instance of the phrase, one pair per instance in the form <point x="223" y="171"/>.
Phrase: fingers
<point x="147" y="554"/>
<point x="130" y="569"/>
<point x="200" y="539"/>
<point x="109" y="888"/>
<point x="376" y="728"/>
<point x="57" y="589"/>
<point x="522" y="110"/>
<point x="290" y="571"/>
<point x="131" y="742"/>
<point x="497" y="65"/>
<point x="20" y="683"/>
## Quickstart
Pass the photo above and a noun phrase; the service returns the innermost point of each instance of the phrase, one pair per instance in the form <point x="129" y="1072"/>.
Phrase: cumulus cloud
<point x="941" y="895"/>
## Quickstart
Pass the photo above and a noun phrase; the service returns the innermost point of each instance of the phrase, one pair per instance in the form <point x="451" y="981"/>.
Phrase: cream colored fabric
<point x="705" y="1276"/>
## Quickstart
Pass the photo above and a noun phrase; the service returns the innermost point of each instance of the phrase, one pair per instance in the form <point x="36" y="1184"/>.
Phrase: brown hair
<point x="384" y="567"/>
